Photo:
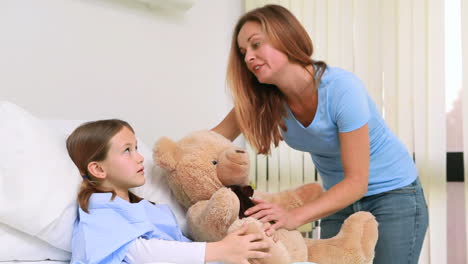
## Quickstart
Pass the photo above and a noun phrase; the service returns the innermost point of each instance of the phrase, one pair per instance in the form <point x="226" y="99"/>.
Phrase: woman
<point x="280" y="93"/>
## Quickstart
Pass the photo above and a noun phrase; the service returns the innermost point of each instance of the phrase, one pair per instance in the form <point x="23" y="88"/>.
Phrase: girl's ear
<point x="96" y="170"/>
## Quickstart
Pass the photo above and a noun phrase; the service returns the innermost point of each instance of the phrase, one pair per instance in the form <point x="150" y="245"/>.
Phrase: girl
<point x="281" y="93"/>
<point x="116" y="226"/>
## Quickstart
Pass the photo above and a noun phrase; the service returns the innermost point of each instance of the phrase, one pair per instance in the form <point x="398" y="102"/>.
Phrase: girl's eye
<point x="256" y="44"/>
<point x="214" y="162"/>
<point x="127" y="150"/>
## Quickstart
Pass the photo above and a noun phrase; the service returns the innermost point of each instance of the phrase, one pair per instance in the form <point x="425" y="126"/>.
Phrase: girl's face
<point x="123" y="166"/>
<point x="261" y="58"/>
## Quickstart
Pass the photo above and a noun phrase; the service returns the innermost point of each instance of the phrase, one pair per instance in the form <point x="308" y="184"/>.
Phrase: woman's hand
<point x="238" y="247"/>
<point x="270" y="212"/>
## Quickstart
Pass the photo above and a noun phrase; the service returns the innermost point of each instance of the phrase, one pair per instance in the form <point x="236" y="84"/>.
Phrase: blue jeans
<point x="402" y="216"/>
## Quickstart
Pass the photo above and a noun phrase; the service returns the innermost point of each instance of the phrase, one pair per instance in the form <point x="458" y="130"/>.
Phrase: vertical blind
<point x="464" y="31"/>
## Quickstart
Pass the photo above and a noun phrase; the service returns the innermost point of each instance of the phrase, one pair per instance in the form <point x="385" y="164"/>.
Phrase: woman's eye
<point x="214" y="162"/>
<point x="127" y="150"/>
<point x="256" y="44"/>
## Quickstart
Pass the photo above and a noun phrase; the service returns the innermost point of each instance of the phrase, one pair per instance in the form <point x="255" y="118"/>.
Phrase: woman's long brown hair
<point x="90" y="142"/>
<point x="260" y="108"/>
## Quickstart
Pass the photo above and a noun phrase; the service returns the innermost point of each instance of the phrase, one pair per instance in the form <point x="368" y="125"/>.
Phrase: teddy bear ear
<point x="164" y="153"/>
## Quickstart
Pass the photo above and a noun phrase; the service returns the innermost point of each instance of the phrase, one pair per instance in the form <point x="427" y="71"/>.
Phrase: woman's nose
<point x="249" y="57"/>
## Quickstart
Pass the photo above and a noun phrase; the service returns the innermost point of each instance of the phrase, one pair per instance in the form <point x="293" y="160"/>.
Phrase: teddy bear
<point x="209" y="176"/>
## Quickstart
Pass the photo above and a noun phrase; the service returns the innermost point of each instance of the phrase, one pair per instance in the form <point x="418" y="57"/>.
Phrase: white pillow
<point x="39" y="182"/>
<point x="16" y="245"/>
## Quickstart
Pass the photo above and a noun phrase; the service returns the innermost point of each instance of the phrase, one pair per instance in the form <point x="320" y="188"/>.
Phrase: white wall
<point x="92" y="59"/>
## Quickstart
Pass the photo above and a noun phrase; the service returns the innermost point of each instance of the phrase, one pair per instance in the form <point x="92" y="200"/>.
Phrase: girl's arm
<point x="157" y="250"/>
<point x="355" y="155"/>
<point x="229" y="127"/>
<point x="234" y="248"/>
<point x="237" y="247"/>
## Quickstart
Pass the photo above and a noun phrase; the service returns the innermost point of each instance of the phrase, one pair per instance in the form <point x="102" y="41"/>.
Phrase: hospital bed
<point x="38" y="188"/>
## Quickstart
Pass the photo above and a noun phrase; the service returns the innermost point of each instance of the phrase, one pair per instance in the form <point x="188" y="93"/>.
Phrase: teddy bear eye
<point x="214" y="162"/>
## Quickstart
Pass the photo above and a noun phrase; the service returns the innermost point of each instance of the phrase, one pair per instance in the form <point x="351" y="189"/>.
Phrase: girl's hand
<point x="238" y="247"/>
<point x="270" y="212"/>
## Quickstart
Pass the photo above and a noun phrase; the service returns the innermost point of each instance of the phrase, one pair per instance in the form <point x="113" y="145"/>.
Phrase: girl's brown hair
<point x="260" y="108"/>
<point x="90" y="142"/>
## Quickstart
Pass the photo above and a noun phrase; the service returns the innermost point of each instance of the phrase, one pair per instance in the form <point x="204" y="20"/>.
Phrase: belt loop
<point x="356" y="206"/>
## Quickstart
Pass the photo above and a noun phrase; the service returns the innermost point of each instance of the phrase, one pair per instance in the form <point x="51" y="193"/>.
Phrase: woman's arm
<point x="355" y="155"/>
<point x="229" y="127"/>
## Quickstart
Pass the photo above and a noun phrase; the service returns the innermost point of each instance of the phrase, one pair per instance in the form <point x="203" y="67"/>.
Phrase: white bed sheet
<point x="35" y="262"/>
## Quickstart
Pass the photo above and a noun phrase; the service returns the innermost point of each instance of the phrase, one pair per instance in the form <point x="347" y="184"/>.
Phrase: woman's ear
<point x="96" y="170"/>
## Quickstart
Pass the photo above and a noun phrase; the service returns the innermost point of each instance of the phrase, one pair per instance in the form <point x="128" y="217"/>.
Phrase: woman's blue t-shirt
<point x="343" y="106"/>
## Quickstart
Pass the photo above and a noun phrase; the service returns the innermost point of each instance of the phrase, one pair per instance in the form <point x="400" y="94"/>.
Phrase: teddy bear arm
<point x="197" y="226"/>
<point x="209" y="220"/>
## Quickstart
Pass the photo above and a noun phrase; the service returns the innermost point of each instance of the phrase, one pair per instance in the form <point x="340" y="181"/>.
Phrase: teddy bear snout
<point x="237" y="156"/>
<point x="233" y="167"/>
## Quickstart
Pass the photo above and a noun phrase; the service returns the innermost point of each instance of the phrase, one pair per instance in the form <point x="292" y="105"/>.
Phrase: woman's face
<point x="261" y="58"/>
